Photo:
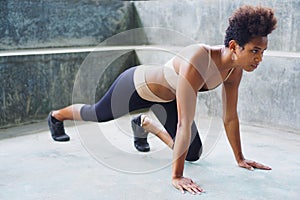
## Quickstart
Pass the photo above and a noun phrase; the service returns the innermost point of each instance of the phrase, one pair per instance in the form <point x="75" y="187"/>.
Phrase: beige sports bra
<point x="172" y="77"/>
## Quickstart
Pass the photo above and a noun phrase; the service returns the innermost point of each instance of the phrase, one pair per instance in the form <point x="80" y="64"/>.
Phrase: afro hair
<point x="248" y="22"/>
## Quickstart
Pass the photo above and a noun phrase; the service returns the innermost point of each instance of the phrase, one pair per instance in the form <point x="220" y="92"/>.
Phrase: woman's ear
<point x="232" y="45"/>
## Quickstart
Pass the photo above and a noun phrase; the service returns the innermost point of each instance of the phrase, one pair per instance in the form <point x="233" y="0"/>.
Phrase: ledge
<point x="46" y="51"/>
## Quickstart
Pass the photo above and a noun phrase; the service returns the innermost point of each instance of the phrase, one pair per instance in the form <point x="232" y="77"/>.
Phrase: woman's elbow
<point x="182" y="123"/>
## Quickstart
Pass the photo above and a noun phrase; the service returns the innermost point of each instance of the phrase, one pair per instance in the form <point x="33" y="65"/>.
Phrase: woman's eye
<point x="254" y="51"/>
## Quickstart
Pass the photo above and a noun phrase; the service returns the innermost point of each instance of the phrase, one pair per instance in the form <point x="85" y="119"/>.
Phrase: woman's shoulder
<point x="198" y="46"/>
<point x="197" y="55"/>
<point x="200" y="49"/>
<point x="194" y="50"/>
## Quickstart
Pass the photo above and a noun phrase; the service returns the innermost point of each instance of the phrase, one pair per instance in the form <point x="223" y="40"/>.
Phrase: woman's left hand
<point x="250" y="164"/>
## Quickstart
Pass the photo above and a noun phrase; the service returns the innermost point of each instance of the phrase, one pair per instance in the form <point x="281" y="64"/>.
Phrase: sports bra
<point x="172" y="77"/>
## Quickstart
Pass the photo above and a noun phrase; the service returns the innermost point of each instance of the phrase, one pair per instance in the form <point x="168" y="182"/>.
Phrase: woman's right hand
<point x="182" y="184"/>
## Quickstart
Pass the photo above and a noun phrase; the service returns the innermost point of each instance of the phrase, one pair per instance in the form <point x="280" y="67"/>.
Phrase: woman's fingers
<point x="249" y="164"/>
<point x="183" y="184"/>
<point x="245" y="165"/>
<point x="181" y="189"/>
<point x="259" y="166"/>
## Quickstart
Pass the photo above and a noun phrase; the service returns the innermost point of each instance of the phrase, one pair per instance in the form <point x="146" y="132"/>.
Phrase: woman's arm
<point x="231" y="121"/>
<point x="189" y="82"/>
<point x="186" y="104"/>
<point x="230" y="116"/>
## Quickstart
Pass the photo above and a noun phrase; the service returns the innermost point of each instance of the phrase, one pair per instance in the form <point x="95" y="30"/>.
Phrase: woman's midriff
<point x="158" y="85"/>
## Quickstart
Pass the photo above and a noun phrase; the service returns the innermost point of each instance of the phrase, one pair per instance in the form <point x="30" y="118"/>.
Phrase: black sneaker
<point x="57" y="129"/>
<point x="140" y="135"/>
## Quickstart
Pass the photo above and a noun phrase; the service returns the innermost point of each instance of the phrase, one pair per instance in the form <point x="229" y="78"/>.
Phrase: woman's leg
<point x="120" y="99"/>
<point x="56" y="118"/>
<point x="110" y="106"/>
<point x="71" y="112"/>
<point x="167" y="115"/>
<point x="157" y="129"/>
<point x="195" y="149"/>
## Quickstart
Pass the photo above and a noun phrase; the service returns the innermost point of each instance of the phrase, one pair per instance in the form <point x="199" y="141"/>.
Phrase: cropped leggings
<point x="122" y="98"/>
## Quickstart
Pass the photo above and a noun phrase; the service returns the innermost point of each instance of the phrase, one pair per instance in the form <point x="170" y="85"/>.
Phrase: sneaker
<point x="140" y="135"/>
<point x="57" y="129"/>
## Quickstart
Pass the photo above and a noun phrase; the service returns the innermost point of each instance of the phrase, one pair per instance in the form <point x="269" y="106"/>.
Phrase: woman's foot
<point x="140" y="135"/>
<point x="57" y="129"/>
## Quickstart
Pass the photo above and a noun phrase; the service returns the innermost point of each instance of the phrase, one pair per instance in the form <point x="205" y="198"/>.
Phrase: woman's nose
<point x="258" y="58"/>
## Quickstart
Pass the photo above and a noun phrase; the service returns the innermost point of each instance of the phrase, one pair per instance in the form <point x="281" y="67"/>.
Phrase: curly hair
<point x="248" y="22"/>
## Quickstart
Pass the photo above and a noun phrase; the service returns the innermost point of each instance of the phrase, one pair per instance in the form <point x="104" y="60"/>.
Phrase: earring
<point x="233" y="57"/>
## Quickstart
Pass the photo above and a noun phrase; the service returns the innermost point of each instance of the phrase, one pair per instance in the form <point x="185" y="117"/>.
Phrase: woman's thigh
<point x="120" y="99"/>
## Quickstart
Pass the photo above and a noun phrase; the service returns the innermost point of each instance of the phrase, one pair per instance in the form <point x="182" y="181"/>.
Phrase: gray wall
<point x="271" y="95"/>
<point x="206" y="21"/>
<point x="40" y="24"/>
<point x="33" y="85"/>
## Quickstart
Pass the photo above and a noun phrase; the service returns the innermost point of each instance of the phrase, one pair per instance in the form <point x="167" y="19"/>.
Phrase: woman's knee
<point x="88" y="113"/>
<point x="194" y="155"/>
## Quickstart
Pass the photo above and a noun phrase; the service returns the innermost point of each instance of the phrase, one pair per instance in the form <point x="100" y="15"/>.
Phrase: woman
<point x="175" y="86"/>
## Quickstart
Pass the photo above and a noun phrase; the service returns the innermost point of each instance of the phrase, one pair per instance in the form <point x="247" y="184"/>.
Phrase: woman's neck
<point x="226" y="61"/>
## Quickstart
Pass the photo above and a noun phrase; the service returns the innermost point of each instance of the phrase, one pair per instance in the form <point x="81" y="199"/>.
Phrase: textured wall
<point x="206" y="21"/>
<point x="271" y="95"/>
<point x="31" y="85"/>
<point x="39" y="23"/>
<point x="98" y="72"/>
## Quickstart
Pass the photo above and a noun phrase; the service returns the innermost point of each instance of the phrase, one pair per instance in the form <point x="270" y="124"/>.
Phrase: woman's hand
<point x="183" y="183"/>
<point x="250" y="164"/>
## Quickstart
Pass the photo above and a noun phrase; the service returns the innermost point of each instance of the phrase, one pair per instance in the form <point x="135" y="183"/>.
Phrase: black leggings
<point x="122" y="98"/>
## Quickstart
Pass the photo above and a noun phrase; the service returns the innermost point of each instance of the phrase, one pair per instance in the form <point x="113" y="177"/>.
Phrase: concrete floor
<point x="106" y="166"/>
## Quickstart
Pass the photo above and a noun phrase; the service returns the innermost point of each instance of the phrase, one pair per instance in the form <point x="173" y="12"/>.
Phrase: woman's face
<point x="251" y="55"/>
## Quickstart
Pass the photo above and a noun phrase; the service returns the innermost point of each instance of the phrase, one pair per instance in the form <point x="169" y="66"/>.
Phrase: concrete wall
<point x="271" y="96"/>
<point x="205" y="21"/>
<point x="32" y="85"/>
<point x="40" y="24"/>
